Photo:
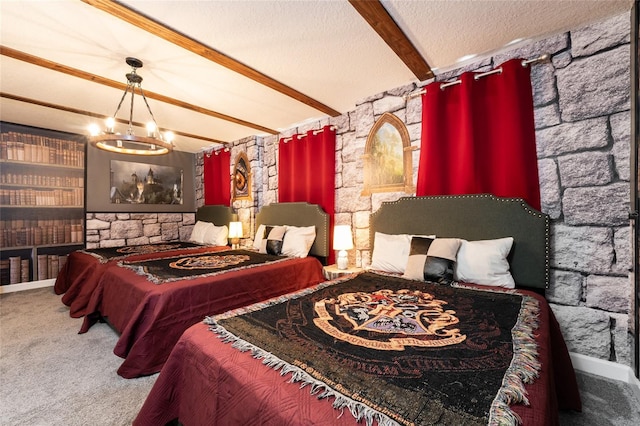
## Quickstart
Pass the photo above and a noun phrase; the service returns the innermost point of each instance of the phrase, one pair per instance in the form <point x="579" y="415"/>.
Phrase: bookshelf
<point x="42" y="198"/>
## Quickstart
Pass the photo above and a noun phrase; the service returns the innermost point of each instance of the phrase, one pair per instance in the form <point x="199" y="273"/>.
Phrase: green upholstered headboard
<point x="299" y="214"/>
<point x="475" y="217"/>
<point x="217" y="214"/>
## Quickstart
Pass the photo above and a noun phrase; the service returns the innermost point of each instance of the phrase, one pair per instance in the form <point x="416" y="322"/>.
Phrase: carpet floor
<point x="50" y="375"/>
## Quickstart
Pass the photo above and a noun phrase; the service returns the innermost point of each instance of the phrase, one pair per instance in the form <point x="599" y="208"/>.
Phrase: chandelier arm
<point x="149" y="109"/>
<point x="121" y="100"/>
<point x="133" y="92"/>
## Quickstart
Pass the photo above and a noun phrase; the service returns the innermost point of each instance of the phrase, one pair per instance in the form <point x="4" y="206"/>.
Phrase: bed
<point x="477" y="365"/>
<point x="150" y="302"/>
<point x="78" y="278"/>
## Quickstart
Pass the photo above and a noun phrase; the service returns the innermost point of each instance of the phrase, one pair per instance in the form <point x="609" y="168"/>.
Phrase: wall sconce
<point x="342" y="241"/>
<point x="235" y="233"/>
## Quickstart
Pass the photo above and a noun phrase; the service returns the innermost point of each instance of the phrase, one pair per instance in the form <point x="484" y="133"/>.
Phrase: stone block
<point x="585" y="169"/>
<point x="603" y="205"/>
<point x="586" y="94"/>
<point x="364" y="119"/>
<point x="361" y="219"/>
<point x="188" y="218"/>
<point x="414" y="110"/>
<point x="170" y="231"/>
<point x="352" y="147"/>
<point x="123" y="216"/>
<point x="169" y="217"/>
<point x="546" y="116"/>
<point x="112" y="243"/>
<point x="361" y="238"/>
<point x="151" y="229"/>
<point x="97" y="224"/>
<point x="585" y="330"/>
<point x="586" y="249"/>
<point x="621" y="134"/>
<point x="601" y="35"/>
<point x="572" y="137"/>
<point x="126" y="229"/>
<point x="608" y="293"/>
<point x="550" y="198"/>
<point x="543" y="82"/>
<point x="565" y="288"/>
<point x="107" y="217"/>
<point x="137" y="241"/>
<point x="388" y="104"/>
<point x="349" y="200"/>
<point x="623" y="249"/>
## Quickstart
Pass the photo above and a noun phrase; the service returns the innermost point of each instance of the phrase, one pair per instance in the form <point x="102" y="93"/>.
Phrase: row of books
<point x="7" y="178"/>
<point x="42" y="197"/>
<point x="16" y="270"/>
<point x="35" y="236"/>
<point x="15" y="146"/>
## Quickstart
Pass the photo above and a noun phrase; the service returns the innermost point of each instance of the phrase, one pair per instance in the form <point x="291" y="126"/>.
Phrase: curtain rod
<point x="315" y="132"/>
<point x="476" y="77"/>
<point x="216" y="150"/>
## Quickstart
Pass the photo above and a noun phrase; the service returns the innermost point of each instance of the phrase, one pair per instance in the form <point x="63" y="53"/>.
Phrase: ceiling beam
<point x="101" y="116"/>
<point x="379" y="19"/>
<point x="35" y="60"/>
<point x="179" y="39"/>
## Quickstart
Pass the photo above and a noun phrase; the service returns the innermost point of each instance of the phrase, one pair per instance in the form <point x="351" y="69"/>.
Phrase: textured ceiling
<point x="324" y="50"/>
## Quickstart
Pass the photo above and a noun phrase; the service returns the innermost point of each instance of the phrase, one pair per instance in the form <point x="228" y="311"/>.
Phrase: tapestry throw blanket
<point x="105" y="254"/>
<point x="174" y="268"/>
<point x="397" y="351"/>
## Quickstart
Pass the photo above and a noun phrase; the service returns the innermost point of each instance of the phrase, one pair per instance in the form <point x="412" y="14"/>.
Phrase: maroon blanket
<point x="81" y="272"/>
<point x="206" y="381"/>
<point x="152" y="317"/>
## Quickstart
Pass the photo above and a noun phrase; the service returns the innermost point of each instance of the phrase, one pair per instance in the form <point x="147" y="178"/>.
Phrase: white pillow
<point x="272" y="244"/>
<point x="298" y="240"/>
<point x="217" y="235"/>
<point x="198" y="231"/>
<point x="485" y="262"/>
<point x="257" y="240"/>
<point x="390" y="252"/>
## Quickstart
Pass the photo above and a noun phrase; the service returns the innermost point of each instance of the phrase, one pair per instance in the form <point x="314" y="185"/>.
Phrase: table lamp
<point x="235" y="233"/>
<point x="342" y="241"/>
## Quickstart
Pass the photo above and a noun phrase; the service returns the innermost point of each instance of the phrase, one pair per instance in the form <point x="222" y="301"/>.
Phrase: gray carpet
<point x="50" y="375"/>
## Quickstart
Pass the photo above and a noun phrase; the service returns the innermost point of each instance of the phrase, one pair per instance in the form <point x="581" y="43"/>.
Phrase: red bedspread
<point x="151" y="317"/>
<point x="208" y="382"/>
<point x="78" y="278"/>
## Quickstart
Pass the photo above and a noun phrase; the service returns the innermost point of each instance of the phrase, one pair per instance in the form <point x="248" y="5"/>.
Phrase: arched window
<point x="387" y="157"/>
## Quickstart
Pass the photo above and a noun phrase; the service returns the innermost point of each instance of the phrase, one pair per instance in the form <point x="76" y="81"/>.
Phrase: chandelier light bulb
<point x="151" y="129"/>
<point x="110" y="122"/>
<point x="94" y="129"/>
<point x="168" y="136"/>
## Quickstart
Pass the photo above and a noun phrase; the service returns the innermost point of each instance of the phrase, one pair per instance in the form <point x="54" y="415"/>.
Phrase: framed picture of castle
<point x="142" y="183"/>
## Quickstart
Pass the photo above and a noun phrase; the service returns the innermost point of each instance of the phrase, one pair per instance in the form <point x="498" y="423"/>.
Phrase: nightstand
<point x="331" y="271"/>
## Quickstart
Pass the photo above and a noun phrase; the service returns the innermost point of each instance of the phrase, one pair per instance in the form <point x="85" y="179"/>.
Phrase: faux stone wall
<point x="120" y="229"/>
<point x="582" y="118"/>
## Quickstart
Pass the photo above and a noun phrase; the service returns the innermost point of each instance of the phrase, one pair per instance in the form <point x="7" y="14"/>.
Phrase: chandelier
<point x="154" y="143"/>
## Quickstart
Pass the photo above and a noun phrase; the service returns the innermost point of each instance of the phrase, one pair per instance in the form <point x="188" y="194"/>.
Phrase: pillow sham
<point x="217" y="235"/>
<point x="391" y="251"/>
<point x="298" y="240"/>
<point x="432" y="259"/>
<point x="272" y="244"/>
<point x="257" y="240"/>
<point x="199" y="230"/>
<point x="485" y="262"/>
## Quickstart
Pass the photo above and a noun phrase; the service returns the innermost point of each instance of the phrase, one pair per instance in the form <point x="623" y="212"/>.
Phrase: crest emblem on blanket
<point x="209" y="262"/>
<point x="388" y="320"/>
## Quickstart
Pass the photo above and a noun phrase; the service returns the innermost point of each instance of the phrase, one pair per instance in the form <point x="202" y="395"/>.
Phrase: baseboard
<point x="608" y="369"/>
<point x="11" y="288"/>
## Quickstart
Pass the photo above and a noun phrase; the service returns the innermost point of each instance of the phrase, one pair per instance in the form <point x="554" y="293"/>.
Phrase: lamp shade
<point x="342" y="238"/>
<point x="235" y="229"/>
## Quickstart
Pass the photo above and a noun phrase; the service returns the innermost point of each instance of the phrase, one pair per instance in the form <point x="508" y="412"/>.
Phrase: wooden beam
<point x="179" y="39"/>
<point x="95" y="115"/>
<point x="379" y="19"/>
<point x="35" y="60"/>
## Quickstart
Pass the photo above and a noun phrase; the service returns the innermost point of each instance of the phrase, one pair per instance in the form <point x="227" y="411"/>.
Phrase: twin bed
<point x="152" y="298"/>
<point x="378" y="348"/>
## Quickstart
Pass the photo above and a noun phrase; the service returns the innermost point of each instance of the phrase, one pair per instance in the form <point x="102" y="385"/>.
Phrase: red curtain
<point x="217" y="180"/>
<point x="306" y="171"/>
<point x="479" y="137"/>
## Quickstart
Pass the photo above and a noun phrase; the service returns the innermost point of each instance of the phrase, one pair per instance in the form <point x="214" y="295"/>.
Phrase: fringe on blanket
<point x="318" y="388"/>
<point x="524" y="368"/>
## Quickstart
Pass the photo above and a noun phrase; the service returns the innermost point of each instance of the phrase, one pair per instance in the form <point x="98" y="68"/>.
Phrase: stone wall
<point x="126" y="229"/>
<point x="581" y="99"/>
